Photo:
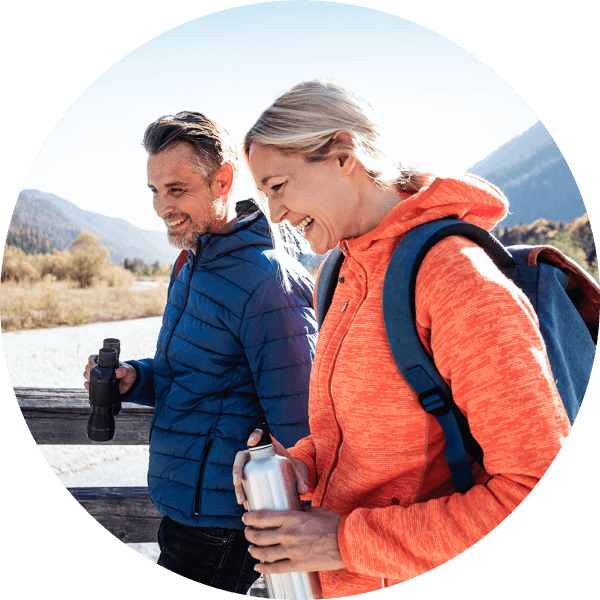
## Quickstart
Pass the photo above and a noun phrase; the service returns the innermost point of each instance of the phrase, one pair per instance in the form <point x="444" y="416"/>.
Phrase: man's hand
<point x="126" y="373"/>
<point x="290" y="541"/>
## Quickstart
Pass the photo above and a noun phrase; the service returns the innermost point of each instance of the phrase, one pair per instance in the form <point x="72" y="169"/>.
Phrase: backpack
<point x="565" y="298"/>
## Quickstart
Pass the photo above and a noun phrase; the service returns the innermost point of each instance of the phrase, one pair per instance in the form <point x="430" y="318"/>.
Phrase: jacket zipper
<point x="201" y="476"/>
<point x="345" y="250"/>
<point x="195" y="256"/>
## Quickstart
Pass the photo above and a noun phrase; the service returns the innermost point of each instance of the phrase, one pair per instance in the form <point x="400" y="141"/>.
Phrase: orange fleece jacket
<point x="374" y="455"/>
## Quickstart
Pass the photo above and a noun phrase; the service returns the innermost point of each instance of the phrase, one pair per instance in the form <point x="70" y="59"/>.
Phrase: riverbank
<point x="56" y="358"/>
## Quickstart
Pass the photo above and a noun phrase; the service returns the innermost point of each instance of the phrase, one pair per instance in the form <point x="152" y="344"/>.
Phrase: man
<point x="235" y="347"/>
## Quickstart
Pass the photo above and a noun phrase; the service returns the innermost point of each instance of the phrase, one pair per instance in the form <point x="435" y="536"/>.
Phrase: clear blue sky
<point x="438" y="105"/>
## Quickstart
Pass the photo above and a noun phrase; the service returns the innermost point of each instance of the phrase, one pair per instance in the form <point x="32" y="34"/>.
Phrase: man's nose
<point x="162" y="206"/>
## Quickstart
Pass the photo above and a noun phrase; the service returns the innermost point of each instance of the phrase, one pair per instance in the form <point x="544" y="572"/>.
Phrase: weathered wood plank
<point x="127" y="512"/>
<point x="60" y="416"/>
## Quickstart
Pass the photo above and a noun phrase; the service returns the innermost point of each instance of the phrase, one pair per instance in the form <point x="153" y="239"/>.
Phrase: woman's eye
<point x="277" y="187"/>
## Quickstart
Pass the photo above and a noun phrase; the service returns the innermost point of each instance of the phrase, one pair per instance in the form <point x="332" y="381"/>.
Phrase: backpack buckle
<point x="431" y="397"/>
<point x="434" y="402"/>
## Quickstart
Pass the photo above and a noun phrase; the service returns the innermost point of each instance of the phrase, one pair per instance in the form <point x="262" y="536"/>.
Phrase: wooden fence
<point x="59" y="416"/>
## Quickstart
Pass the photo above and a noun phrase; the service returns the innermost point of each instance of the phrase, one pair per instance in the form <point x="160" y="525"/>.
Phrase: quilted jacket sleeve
<point x="279" y="335"/>
<point x="142" y="391"/>
<point x="305" y="450"/>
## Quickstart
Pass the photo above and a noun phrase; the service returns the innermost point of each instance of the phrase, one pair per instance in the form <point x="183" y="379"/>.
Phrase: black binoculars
<point x="104" y="392"/>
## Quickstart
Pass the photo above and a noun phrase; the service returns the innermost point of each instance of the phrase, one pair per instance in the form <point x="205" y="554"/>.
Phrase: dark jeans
<point x="211" y="555"/>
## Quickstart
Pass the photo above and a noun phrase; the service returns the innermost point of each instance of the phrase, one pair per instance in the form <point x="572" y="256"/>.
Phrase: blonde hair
<point x="305" y="120"/>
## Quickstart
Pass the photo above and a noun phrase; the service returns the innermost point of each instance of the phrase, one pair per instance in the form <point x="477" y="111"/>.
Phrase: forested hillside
<point x="574" y="239"/>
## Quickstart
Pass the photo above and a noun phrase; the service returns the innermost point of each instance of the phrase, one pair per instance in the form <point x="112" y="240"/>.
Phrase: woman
<point x="384" y="508"/>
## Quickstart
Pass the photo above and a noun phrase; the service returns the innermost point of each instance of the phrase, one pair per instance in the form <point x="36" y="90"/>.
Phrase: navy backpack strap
<point x="328" y="279"/>
<point x="413" y="361"/>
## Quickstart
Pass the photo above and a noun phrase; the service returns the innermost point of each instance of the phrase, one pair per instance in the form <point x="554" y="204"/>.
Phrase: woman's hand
<point x="126" y="373"/>
<point x="294" y="540"/>
<point x="241" y="458"/>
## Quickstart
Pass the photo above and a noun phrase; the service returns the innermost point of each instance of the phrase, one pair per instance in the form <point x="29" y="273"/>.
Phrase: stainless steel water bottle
<point x="270" y="484"/>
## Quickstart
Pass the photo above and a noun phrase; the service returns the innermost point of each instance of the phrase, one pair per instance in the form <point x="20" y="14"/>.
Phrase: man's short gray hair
<point x="211" y="142"/>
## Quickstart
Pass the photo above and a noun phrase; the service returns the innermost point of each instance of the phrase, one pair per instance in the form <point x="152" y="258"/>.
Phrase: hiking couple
<point x="239" y="335"/>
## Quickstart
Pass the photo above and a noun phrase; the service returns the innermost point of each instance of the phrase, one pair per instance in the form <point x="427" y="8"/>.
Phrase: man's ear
<point x="223" y="180"/>
<point x="345" y="159"/>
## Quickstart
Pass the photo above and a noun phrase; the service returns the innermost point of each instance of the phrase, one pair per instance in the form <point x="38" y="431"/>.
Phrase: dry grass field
<point x="41" y="305"/>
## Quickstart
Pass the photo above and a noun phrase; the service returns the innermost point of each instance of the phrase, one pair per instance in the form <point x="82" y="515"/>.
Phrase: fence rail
<point x="59" y="417"/>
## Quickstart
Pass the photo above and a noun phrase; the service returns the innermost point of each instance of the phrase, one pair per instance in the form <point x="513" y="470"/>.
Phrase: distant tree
<point x="88" y="259"/>
<point x="136" y="266"/>
<point x="18" y="266"/>
<point x="581" y="232"/>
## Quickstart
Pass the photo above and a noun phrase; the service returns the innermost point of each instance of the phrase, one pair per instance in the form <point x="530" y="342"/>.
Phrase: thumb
<point x="122" y="371"/>
<point x="301" y="481"/>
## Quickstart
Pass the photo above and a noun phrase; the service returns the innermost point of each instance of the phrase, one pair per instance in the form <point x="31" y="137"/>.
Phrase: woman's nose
<point x="277" y="211"/>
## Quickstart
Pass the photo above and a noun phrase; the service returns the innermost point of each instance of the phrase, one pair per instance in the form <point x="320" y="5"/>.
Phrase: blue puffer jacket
<point x="234" y="348"/>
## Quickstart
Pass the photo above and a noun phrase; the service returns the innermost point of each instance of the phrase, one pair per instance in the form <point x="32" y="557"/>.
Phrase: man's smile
<point x="173" y="223"/>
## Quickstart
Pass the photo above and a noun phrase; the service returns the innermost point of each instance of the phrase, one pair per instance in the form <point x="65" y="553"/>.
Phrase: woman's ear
<point x="345" y="159"/>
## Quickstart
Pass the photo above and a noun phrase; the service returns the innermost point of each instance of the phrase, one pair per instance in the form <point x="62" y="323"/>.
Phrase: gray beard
<point x="189" y="240"/>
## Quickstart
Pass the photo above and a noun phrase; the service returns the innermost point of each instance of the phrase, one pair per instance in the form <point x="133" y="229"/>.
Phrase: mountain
<point x="534" y="176"/>
<point x="529" y="169"/>
<point x="27" y="239"/>
<point x="60" y="222"/>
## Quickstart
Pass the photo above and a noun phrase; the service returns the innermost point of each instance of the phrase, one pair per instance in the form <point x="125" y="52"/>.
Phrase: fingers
<point x="302" y="483"/>
<point x="255" y="437"/>
<point x="241" y="458"/>
<point x="125" y="372"/>
<point x="90" y="365"/>
<point x="309" y="540"/>
<point x="122" y="371"/>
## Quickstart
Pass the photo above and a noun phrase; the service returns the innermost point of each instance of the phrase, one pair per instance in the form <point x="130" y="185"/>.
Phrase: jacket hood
<point x="468" y="197"/>
<point x="251" y="229"/>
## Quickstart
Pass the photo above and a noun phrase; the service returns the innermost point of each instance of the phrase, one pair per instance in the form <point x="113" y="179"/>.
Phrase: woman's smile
<point x="303" y="225"/>
<point x="314" y="197"/>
